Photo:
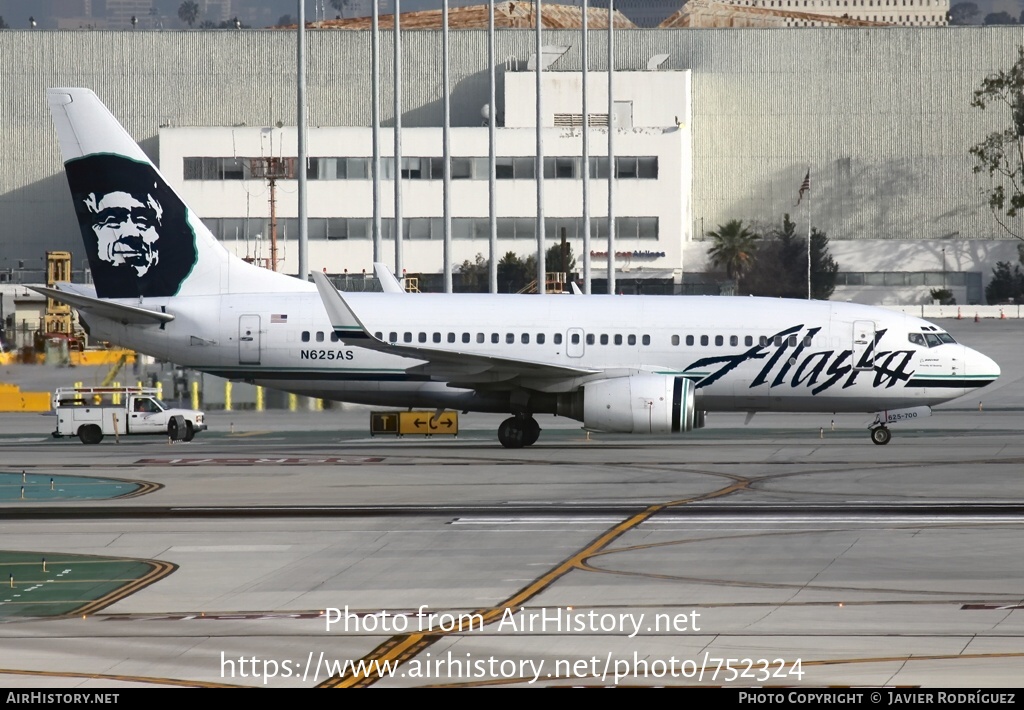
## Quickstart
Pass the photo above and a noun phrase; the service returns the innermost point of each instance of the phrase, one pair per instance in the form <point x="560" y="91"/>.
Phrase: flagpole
<point x="808" y="235"/>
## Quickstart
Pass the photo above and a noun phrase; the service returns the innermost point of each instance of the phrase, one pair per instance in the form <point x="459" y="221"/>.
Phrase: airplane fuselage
<point x="743" y="354"/>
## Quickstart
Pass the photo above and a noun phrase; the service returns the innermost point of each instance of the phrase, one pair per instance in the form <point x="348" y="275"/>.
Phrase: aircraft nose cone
<point x="980" y="367"/>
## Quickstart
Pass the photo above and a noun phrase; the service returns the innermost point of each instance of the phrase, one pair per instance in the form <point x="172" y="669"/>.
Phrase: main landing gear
<point x="880" y="434"/>
<point x="518" y="431"/>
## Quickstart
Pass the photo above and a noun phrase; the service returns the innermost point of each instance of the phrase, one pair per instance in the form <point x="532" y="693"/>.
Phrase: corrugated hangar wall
<point x="882" y="117"/>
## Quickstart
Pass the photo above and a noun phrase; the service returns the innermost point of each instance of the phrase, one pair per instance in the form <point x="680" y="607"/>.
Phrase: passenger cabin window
<point x="558" y="338"/>
<point x="423" y="337"/>
<point x="646" y="340"/>
<point x="407" y="337"/>
<point x="437" y="337"/>
<point x="305" y="336"/>
<point x="510" y="338"/>
<point x="525" y="338"/>
<point x="675" y="339"/>
<point x="319" y="336"/>
<point x="392" y="337"/>
<point x="703" y="340"/>
<point x="451" y="337"/>
<point x="334" y="337"/>
<point x="719" y="340"/>
<point x="689" y="340"/>
<point x="575" y="338"/>
<point x="479" y="336"/>
<point x="604" y="339"/>
<point x="618" y="339"/>
<point x="540" y="336"/>
<point x="590" y="338"/>
<point x="630" y="340"/>
<point x="494" y="338"/>
<point x="379" y="335"/>
<point x="465" y="336"/>
<point x="748" y="340"/>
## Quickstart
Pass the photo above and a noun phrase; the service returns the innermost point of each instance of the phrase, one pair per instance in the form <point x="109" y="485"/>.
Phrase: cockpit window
<point x="930" y="340"/>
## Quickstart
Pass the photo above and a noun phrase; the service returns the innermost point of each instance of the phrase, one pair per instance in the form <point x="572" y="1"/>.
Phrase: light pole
<point x="943" y="268"/>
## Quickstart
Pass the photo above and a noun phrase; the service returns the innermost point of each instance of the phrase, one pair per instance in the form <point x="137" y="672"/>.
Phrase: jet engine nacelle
<point x="640" y="404"/>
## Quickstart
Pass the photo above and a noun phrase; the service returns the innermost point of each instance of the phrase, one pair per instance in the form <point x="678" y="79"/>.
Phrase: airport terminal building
<point x="726" y="127"/>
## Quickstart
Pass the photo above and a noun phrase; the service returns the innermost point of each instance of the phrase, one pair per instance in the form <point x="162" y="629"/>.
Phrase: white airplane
<point x="164" y="286"/>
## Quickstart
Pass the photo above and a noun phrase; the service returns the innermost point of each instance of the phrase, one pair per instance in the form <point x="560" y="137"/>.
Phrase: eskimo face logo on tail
<point x="136" y="235"/>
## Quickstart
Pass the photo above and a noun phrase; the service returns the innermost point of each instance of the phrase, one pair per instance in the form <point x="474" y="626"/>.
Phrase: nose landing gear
<point x="880" y="435"/>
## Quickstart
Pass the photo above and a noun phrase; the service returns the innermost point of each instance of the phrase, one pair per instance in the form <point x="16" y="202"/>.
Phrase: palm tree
<point x="188" y="12"/>
<point x="734" y="249"/>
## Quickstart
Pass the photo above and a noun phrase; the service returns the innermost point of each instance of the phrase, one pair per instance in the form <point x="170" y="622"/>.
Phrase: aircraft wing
<point x="456" y="367"/>
<point x="88" y="303"/>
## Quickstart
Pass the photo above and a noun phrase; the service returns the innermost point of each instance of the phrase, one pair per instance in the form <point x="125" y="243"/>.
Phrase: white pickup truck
<point x="90" y="413"/>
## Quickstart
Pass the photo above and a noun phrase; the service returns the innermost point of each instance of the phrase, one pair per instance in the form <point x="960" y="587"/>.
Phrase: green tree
<point x="1006" y="285"/>
<point x="188" y="12"/>
<point x="553" y="258"/>
<point x="514" y="273"/>
<point x="963" y="13"/>
<point x="474" y="276"/>
<point x="734" y="249"/>
<point x="823" y="267"/>
<point x="999" y="18"/>
<point x="1000" y="154"/>
<point x="780" y="266"/>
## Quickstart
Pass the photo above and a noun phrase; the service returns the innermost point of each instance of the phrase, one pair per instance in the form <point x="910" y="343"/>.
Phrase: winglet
<point x="343" y="320"/>
<point x="388" y="282"/>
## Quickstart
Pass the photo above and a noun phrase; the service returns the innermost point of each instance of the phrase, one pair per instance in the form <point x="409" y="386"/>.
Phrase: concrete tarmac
<point x="790" y="552"/>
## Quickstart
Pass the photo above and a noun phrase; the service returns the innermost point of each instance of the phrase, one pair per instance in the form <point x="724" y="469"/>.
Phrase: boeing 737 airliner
<point x="164" y="286"/>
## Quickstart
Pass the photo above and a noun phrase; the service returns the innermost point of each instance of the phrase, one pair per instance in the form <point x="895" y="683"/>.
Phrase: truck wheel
<point x="172" y="429"/>
<point x="90" y="434"/>
<point x="190" y="432"/>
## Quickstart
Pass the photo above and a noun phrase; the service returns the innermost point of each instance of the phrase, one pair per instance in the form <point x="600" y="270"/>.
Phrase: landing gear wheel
<point x="510" y="433"/>
<point x="880" y="435"/>
<point x="531" y="431"/>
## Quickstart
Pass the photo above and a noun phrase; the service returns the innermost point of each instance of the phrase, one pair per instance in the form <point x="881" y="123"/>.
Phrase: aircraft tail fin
<point x="141" y="239"/>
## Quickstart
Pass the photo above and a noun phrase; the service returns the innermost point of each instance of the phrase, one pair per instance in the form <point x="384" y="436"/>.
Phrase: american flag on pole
<point x="805" y="186"/>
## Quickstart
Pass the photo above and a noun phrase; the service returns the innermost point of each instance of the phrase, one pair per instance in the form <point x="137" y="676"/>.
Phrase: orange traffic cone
<point x="958" y="316"/>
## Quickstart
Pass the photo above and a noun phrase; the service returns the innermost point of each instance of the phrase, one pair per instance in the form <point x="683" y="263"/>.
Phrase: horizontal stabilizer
<point x="112" y="310"/>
